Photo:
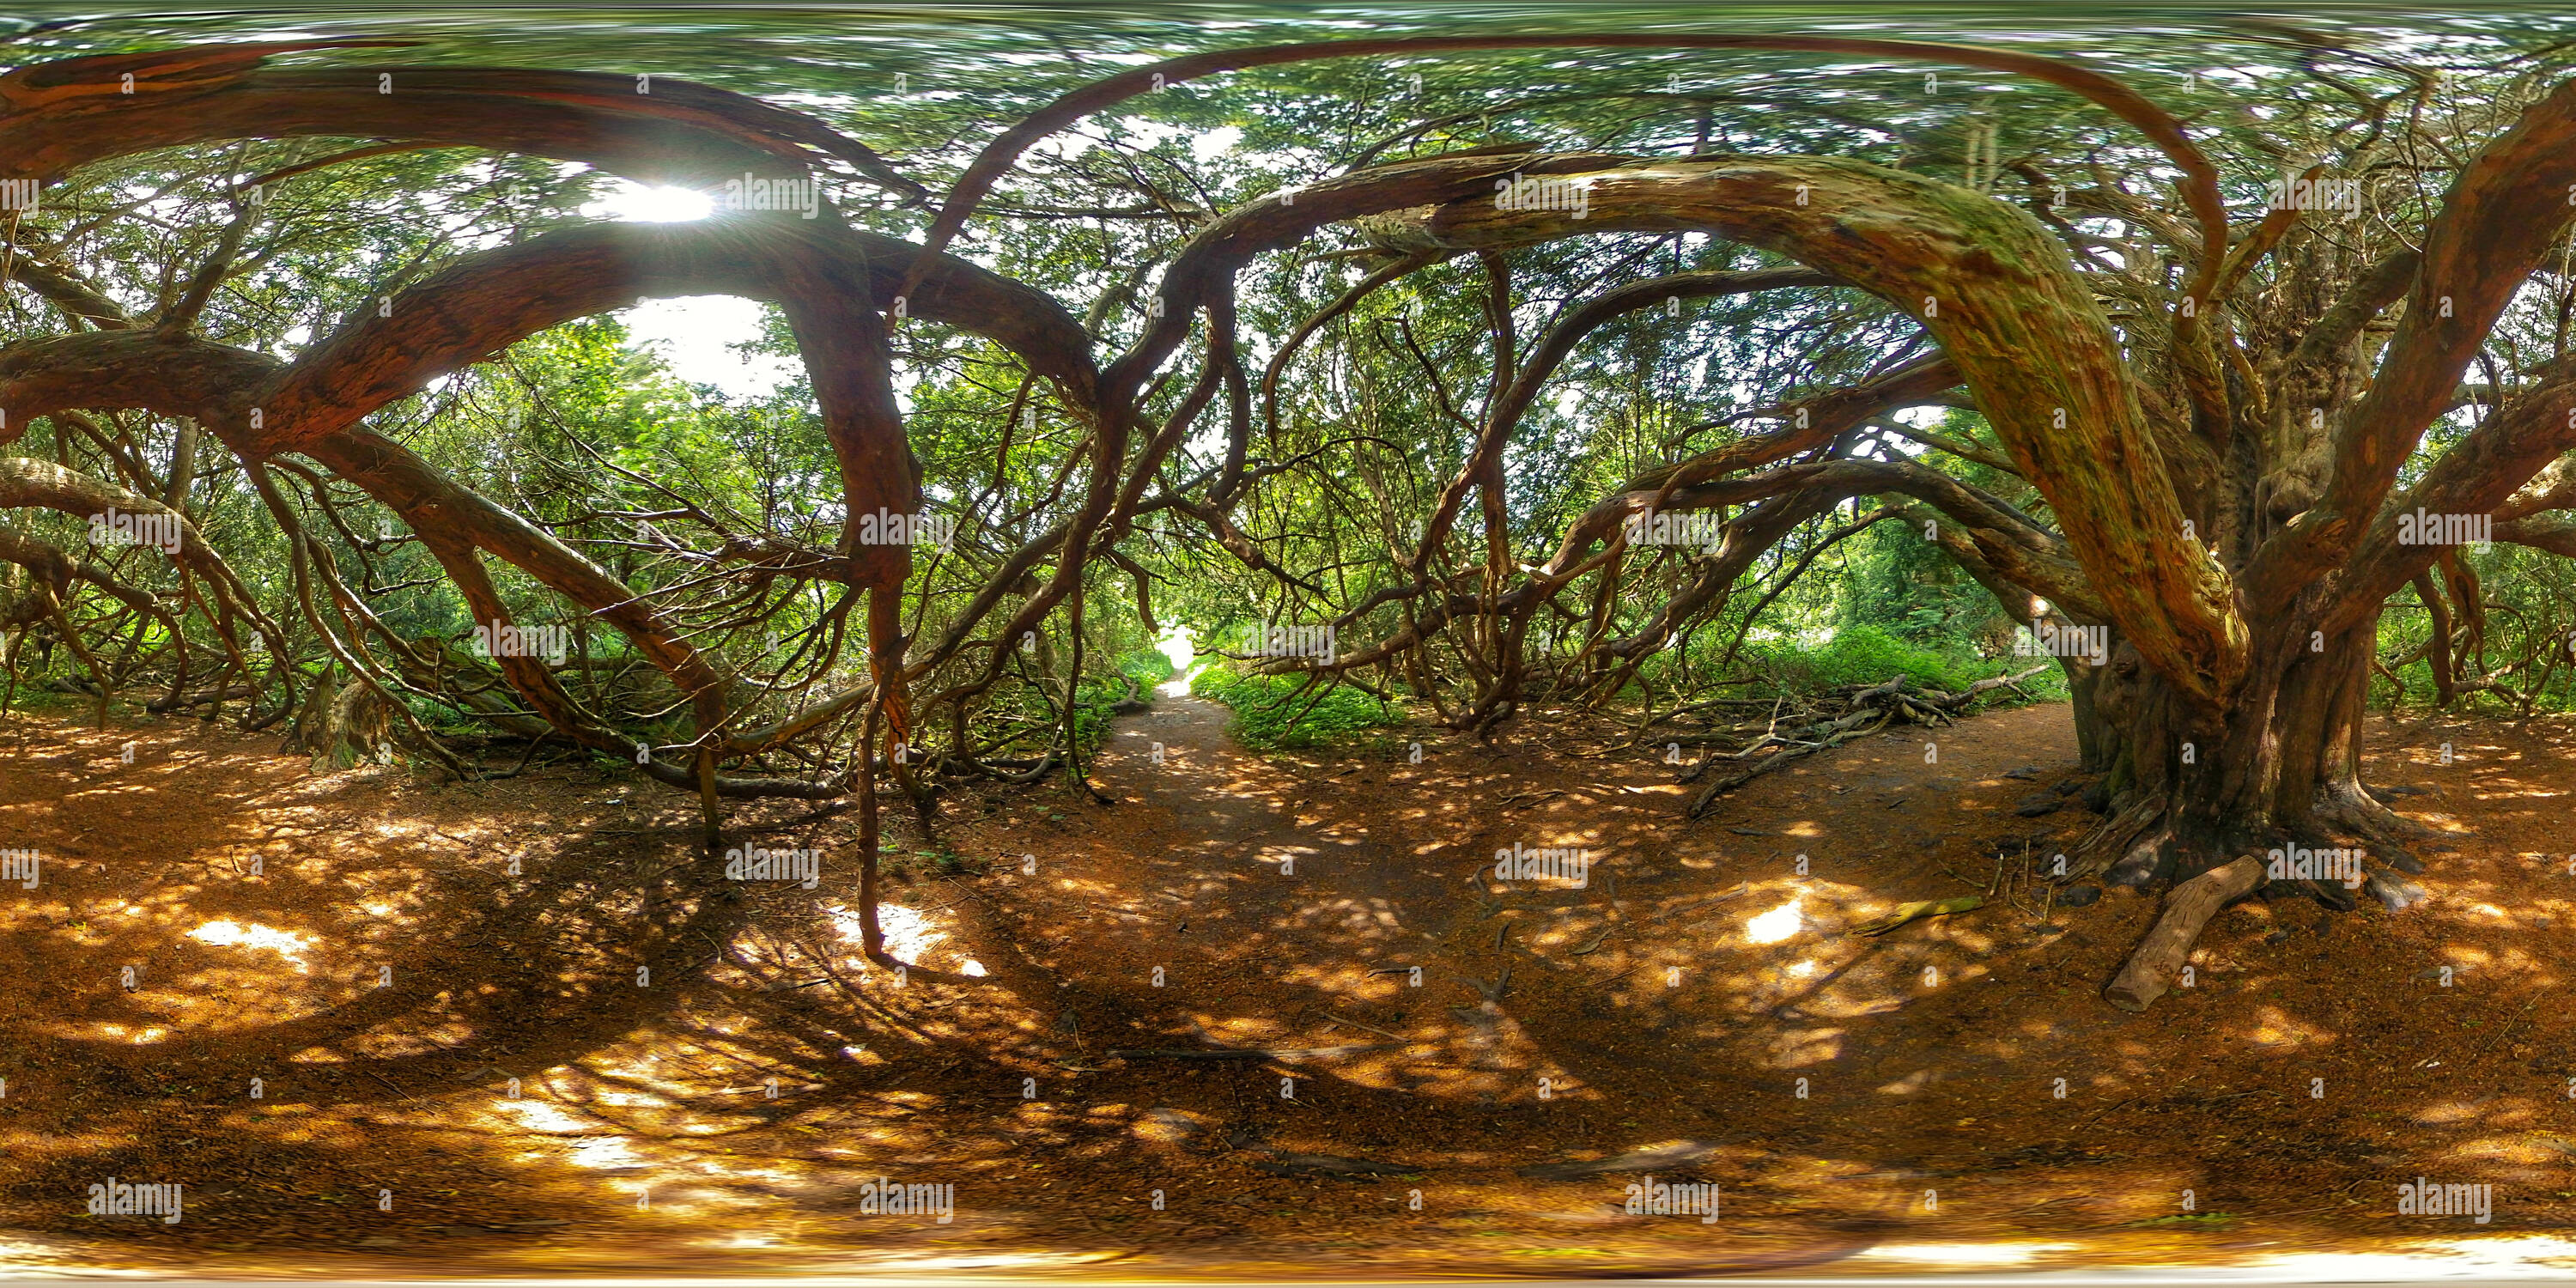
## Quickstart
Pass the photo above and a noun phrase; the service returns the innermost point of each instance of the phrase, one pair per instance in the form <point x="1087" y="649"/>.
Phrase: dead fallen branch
<point x="1917" y="911"/>
<point x="1837" y="718"/>
<point x="2188" y="908"/>
<point x="1356" y="1024"/>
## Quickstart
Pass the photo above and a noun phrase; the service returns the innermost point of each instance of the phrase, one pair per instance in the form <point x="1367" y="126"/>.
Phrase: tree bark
<point x="2188" y="908"/>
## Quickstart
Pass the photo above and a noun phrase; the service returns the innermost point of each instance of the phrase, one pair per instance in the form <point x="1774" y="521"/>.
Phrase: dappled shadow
<point x="1697" y="987"/>
<point x="361" y="1013"/>
<point x="1699" y="970"/>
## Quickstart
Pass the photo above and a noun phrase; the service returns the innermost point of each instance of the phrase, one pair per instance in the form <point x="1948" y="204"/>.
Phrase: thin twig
<point x="1357" y="1025"/>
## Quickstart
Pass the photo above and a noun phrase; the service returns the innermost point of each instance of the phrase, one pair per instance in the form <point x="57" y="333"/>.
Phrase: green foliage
<point x="1149" y="666"/>
<point x="1869" y="655"/>
<point x="1097" y="697"/>
<point x="1274" y="712"/>
<point x="28" y="696"/>
<point x="1860" y="655"/>
<point x="2530" y="598"/>
<point x="594" y="439"/>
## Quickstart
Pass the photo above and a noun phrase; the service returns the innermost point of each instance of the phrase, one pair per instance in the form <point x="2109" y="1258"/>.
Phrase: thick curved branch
<point x="2489" y="470"/>
<point x="39" y="266"/>
<point x="678" y="132"/>
<point x="2200" y="178"/>
<point x="2005" y="538"/>
<point x="2499" y="219"/>
<point x="60" y="570"/>
<point x="114" y="370"/>
<point x="1993" y="287"/>
<point x="2555" y="533"/>
<point x="487" y="301"/>
<point x="25" y="481"/>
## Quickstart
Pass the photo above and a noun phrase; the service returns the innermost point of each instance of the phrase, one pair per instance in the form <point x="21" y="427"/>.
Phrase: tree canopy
<point x="1449" y="362"/>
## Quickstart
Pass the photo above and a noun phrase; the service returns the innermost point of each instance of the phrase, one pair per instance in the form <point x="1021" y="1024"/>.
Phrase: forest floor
<point x="387" y="953"/>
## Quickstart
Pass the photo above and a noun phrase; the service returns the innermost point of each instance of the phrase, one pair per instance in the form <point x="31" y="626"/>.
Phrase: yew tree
<point x="2220" y="383"/>
<point x="2206" y="369"/>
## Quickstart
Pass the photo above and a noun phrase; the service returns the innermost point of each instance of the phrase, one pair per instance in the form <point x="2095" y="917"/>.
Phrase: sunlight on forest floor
<point x="551" y="1112"/>
<point x="284" y="943"/>
<point x="909" y="935"/>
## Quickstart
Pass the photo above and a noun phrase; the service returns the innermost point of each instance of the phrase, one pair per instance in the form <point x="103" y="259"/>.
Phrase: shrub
<point x="1866" y="655"/>
<point x="1148" y="665"/>
<point x="1286" y="711"/>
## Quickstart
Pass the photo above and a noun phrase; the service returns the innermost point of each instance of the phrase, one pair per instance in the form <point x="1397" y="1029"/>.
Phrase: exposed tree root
<point x="2149" y="847"/>
<point x="2118" y="842"/>
<point x="2348" y="805"/>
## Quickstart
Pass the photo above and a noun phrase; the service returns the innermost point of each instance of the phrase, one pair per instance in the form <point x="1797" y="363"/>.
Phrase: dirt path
<point x="1667" y="1013"/>
<point x="1700" y="1004"/>
<point x="1234" y="912"/>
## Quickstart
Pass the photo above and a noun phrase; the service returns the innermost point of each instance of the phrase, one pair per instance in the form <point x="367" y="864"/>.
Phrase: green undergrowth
<point x="1865" y="655"/>
<point x="1099" y="695"/>
<point x="1281" y="712"/>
